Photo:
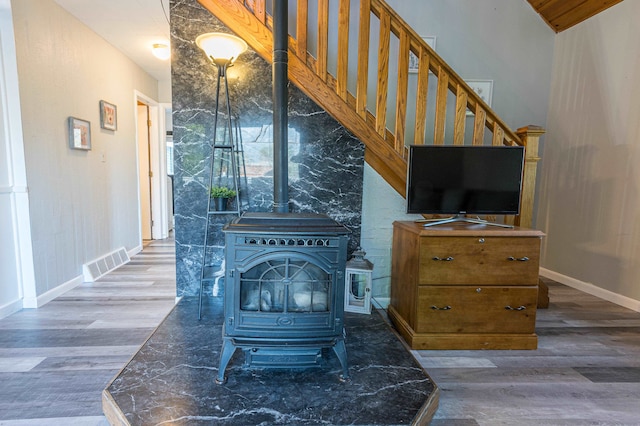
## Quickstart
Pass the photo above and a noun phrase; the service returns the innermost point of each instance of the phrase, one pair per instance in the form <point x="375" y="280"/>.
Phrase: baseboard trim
<point x="32" y="303"/>
<point x="134" y="251"/>
<point x="10" y="308"/>
<point x="593" y="290"/>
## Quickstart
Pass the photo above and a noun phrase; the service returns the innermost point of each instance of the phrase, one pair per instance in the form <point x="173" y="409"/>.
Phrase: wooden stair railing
<point x="385" y="139"/>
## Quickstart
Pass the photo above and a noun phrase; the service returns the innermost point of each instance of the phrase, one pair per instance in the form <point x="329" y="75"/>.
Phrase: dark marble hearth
<point x="171" y="380"/>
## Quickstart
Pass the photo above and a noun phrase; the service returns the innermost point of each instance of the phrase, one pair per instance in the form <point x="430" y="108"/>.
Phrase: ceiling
<point x="563" y="14"/>
<point x="133" y="26"/>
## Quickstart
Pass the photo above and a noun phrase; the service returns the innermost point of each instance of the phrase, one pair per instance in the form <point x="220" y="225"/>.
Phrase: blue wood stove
<point x="284" y="290"/>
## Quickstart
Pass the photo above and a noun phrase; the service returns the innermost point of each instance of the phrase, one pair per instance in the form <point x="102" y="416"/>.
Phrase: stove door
<point x="283" y="294"/>
<point x="285" y="285"/>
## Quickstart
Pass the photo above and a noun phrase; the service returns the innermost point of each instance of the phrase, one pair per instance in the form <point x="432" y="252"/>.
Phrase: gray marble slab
<point x="388" y="387"/>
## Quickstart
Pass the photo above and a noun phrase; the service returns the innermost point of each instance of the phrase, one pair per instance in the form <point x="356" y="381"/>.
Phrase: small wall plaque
<point x="79" y="134"/>
<point x="108" y="116"/>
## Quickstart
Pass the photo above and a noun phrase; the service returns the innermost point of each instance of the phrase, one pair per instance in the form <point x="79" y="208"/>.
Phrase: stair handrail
<point x="386" y="148"/>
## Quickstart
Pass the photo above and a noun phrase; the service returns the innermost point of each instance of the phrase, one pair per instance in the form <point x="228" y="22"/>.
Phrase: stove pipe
<point x="280" y="98"/>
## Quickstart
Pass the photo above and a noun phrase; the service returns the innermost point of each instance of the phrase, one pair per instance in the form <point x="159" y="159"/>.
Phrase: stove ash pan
<point x="284" y="290"/>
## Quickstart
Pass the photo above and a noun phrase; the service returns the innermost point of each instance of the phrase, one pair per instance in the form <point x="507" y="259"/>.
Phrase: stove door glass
<point x="285" y="285"/>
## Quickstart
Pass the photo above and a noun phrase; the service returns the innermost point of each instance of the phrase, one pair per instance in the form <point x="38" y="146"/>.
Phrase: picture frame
<point x="79" y="134"/>
<point x="483" y="88"/>
<point x="108" y="116"/>
<point x="414" y="60"/>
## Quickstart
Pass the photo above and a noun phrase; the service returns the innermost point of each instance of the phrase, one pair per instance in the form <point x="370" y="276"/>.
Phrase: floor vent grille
<point x="95" y="269"/>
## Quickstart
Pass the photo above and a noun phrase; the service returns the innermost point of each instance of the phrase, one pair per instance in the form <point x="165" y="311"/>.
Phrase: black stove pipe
<point x="280" y="99"/>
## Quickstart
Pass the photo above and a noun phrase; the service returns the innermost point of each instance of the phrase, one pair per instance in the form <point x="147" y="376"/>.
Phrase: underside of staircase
<point x="379" y="110"/>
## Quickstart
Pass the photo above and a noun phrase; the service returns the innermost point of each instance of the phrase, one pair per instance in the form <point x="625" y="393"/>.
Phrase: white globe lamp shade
<point x="221" y="47"/>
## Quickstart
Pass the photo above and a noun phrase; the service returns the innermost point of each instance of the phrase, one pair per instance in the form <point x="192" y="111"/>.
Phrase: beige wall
<point x="589" y="193"/>
<point x="83" y="204"/>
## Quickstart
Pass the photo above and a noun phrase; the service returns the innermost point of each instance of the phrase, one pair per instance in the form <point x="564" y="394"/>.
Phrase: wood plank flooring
<point x="55" y="361"/>
<point x="586" y="370"/>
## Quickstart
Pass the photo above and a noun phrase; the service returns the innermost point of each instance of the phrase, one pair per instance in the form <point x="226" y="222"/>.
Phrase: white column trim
<point x="12" y="145"/>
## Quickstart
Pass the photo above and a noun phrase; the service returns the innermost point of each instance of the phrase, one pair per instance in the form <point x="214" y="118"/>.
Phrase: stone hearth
<point x="171" y="380"/>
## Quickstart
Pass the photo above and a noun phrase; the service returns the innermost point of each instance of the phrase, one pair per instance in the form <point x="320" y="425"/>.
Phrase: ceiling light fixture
<point x="161" y="51"/>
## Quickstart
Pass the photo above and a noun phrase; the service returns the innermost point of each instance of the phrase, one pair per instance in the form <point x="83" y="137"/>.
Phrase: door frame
<point x="158" y="166"/>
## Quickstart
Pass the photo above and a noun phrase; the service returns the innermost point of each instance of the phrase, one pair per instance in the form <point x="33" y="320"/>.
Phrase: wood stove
<point x="284" y="282"/>
<point x="284" y="290"/>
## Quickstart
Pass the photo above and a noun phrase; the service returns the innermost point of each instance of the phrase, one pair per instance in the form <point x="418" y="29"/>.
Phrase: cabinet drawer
<point x="479" y="260"/>
<point x="475" y="309"/>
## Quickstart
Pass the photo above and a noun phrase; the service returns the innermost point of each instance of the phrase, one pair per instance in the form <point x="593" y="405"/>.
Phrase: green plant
<point x="222" y="192"/>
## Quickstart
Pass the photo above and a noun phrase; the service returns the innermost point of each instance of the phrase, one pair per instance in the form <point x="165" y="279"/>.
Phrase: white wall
<point x="590" y="180"/>
<point x="381" y="206"/>
<point x="164" y="91"/>
<point x="500" y="40"/>
<point x="83" y="203"/>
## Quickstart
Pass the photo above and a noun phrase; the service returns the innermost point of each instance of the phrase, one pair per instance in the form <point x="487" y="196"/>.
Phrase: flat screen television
<point x="464" y="180"/>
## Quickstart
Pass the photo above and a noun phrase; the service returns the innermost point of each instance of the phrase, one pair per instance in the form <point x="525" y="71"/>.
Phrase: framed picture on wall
<point x="79" y="134"/>
<point x="483" y="88"/>
<point x="413" y="59"/>
<point x="108" y="116"/>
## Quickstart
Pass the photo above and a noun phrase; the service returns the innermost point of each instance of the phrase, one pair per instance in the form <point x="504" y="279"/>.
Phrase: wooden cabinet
<point x="462" y="286"/>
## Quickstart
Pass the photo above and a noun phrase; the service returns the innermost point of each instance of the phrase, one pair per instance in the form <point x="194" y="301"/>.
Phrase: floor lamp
<point x="222" y="50"/>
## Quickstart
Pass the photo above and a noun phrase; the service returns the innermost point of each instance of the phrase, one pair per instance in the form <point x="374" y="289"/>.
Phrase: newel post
<point x="530" y="137"/>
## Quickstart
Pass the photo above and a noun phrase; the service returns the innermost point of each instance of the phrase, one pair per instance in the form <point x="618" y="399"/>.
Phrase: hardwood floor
<point x="55" y="361"/>
<point x="586" y="370"/>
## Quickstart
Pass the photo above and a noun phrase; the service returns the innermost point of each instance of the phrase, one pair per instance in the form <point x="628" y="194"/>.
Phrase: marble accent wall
<point x="325" y="160"/>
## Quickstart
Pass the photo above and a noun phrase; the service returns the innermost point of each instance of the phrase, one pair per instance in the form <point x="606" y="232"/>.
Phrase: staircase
<point x="377" y="106"/>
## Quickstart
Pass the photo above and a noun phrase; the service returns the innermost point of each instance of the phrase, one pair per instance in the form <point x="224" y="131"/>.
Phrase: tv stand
<point x="465" y="286"/>
<point x="460" y="218"/>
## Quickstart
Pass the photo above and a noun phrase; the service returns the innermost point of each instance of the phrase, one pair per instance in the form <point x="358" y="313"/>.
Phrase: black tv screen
<point x="483" y="180"/>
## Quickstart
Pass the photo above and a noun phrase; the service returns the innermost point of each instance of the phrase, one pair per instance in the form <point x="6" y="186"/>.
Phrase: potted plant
<point x="221" y="195"/>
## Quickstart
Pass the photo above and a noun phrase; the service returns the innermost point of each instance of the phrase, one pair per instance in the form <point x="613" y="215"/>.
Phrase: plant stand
<point x="224" y="167"/>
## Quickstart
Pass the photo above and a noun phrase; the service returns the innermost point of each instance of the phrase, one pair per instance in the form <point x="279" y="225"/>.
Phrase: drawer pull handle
<point x="444" y="259"/>
<point x="519" y="308"/>
<point x="519" y="259"/>
<point x="435" y="308"/>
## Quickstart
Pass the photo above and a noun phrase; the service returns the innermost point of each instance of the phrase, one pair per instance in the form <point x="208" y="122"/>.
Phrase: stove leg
<point x="228" y="348"/>
<point x="340" y="350"/>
